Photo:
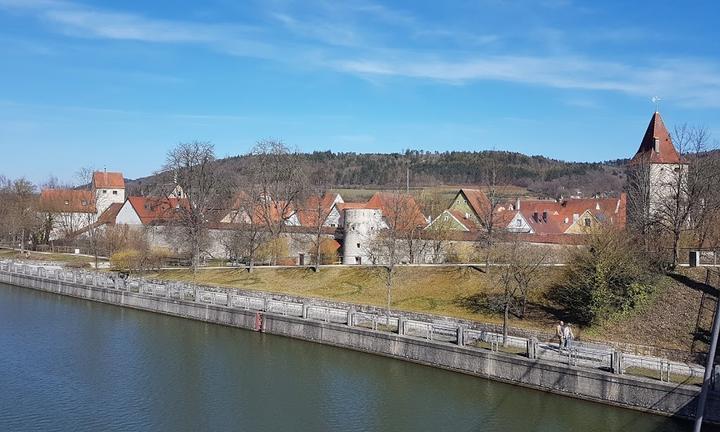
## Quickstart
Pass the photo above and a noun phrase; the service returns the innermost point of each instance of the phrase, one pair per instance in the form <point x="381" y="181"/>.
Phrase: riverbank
<point x="344" y="330"/>
<point x="666" y="321"/>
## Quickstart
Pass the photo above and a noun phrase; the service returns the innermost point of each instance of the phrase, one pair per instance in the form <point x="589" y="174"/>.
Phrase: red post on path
<point x="259" y="322"/>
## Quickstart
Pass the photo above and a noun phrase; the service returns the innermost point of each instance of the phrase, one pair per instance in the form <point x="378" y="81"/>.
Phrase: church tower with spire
<point x="658" y="164"/>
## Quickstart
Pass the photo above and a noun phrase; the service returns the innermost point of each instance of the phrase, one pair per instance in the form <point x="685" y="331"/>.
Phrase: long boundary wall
<point x="593" y="385"/>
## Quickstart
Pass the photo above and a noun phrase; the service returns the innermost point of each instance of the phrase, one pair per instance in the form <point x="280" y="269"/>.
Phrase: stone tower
<point x="658" y="164"/>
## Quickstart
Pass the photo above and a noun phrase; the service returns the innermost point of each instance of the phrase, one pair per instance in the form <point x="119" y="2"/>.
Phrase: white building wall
<point x="127" y="215"/>
<point x="66" y="223"/>
<point x="663" y="183"/>
<point x="105" y="196"/>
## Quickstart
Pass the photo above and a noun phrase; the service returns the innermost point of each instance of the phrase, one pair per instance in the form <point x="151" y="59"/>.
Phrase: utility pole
<point x="407" y="179"/>
<point x="699" y="413"/>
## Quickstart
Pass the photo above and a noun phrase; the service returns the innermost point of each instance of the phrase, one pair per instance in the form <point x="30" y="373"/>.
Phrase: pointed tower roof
<point x="657" y="146"/>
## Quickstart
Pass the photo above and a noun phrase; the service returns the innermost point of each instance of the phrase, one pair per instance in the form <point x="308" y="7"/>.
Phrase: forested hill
<point x="541" y="175"/>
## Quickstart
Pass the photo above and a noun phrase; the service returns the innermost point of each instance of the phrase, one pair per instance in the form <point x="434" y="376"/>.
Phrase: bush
<point x="609" y="276"/>
<point x="328" y="251"/>
<point x="126" y="260"/>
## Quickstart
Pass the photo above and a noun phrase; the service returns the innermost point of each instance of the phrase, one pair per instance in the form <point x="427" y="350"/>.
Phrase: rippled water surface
<point x="74" y="365"/>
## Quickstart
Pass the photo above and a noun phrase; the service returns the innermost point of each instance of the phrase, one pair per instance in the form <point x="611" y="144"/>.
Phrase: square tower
<point x="108" y="188"/>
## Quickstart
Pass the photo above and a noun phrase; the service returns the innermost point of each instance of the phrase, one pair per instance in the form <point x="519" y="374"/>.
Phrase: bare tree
<point x="519" y="266"/>
<point x="280" y="178"/>
<point x="316" y="209"/>
<point x="401" y="217"/>
<point x="641" y="220"/>
<point x="488" y="220"/>
<point x="684" y="194"/>
<point x="193" y="164"/>
<point x="88" y="225"/>
<point x="250" y="232"/>
<point x="438" y="237"/>
<point x="19" y="209"/>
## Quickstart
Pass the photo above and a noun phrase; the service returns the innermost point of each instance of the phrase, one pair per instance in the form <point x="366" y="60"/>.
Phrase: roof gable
<point x="662" y="153"/>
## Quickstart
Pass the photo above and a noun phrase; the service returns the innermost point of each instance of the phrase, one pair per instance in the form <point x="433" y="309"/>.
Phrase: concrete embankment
<point x="589" y="384"/>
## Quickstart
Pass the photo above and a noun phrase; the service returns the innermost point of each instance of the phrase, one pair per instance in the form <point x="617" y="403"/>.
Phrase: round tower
<point x="359" y="228"/>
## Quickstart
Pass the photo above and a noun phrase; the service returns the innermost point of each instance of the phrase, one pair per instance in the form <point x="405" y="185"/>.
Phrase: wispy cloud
<point x="332" y="35"/>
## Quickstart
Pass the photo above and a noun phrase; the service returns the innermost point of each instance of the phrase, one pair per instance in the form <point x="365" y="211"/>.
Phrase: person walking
<point x="568" y="336"/>
<point x="560" y="334"/>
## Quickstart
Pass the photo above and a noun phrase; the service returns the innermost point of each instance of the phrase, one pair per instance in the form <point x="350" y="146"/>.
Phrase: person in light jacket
<point x="568" y="336"/>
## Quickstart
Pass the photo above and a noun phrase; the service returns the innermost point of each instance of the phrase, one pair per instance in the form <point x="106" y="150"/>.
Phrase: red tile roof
<point x="400" y="207"/>
<point x="108" y="180"/>
<point x="666" y="154"/>
<point x="561" y="215"/>
<point x="67" y="201"/>
<point x="315" y="206"/>
<point x="157" y="210"/>
<point x="478" y="201"/>
<point x="110" y="214"/>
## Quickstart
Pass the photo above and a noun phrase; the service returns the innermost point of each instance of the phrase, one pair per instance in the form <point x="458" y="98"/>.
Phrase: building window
<point x="83" y="202"/>
<point x="104" y="191"/>
<point x="518" y="223"/>
<point x="67" y="202"/>
<point x="587" y="222"/>
<point x="114" y="192"/>
<point x="358" y="245"/>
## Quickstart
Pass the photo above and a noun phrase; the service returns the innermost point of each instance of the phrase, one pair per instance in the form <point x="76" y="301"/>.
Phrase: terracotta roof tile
<point x="157" y="210"/>
<point x="108" y="180"/>
<point x="67" y="201"/>
<point x="665" y="153"/>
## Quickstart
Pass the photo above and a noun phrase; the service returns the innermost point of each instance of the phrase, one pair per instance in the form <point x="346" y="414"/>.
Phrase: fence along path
<point x="590" y="355"/>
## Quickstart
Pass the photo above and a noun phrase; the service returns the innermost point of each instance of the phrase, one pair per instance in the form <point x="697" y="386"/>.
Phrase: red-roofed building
<point x="67" y="210"/>
<point x="658" y="161"/>
<point x="109" y="188"/>
<point x="150" y="210"/>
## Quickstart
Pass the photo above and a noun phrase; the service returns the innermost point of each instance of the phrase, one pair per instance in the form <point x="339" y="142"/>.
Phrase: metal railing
<point x="588" y="355"/>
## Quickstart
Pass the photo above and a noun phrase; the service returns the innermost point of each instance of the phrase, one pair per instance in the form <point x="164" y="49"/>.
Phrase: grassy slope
<point x="667" y="320"/>
<point x="435" y="290"/>
<point x="55" y="257"/>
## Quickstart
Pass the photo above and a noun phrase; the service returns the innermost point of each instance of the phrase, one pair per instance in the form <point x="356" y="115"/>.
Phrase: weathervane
<point x="656" y="100"/>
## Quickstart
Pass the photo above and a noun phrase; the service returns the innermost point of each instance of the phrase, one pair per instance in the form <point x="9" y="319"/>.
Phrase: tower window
<point x="657" y="145"/>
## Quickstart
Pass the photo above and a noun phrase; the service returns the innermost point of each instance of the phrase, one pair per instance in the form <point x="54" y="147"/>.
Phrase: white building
<point x="109" y="188"/>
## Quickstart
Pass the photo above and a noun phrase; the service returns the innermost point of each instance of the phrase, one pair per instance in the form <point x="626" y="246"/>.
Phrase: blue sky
<point x="116" y="84"/>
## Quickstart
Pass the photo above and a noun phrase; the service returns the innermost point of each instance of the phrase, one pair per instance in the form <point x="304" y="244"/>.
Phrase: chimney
<point x="545" y="217"/>
<point x="575" y="217"/>
<point x="517" y="203"/>
<point x="535" y="217"/>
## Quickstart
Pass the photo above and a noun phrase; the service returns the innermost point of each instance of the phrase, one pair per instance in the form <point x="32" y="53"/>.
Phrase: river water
<point x="74" y="365"/>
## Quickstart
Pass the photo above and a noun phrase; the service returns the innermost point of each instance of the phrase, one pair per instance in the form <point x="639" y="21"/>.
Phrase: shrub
<point x="126" y="260"/>
<point x="607" y="277"/>
<point x="328" y="251"/>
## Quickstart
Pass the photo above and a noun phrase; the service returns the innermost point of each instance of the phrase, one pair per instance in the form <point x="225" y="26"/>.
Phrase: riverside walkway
<point x="442" y="329"/>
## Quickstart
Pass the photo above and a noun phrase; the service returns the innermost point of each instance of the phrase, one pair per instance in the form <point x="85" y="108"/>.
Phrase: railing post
<point x="532" y="344"/>
<point x="617" y="362"/>
<point x="461" y="335"/>
<point x="229" y="299"/>
<point x="401" y="325"/>
<point x="350" y="317"/>
<point x="305" y="311"/>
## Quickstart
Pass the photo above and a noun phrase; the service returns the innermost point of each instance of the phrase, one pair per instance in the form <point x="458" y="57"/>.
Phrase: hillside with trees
<point x="541" y="175"/>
